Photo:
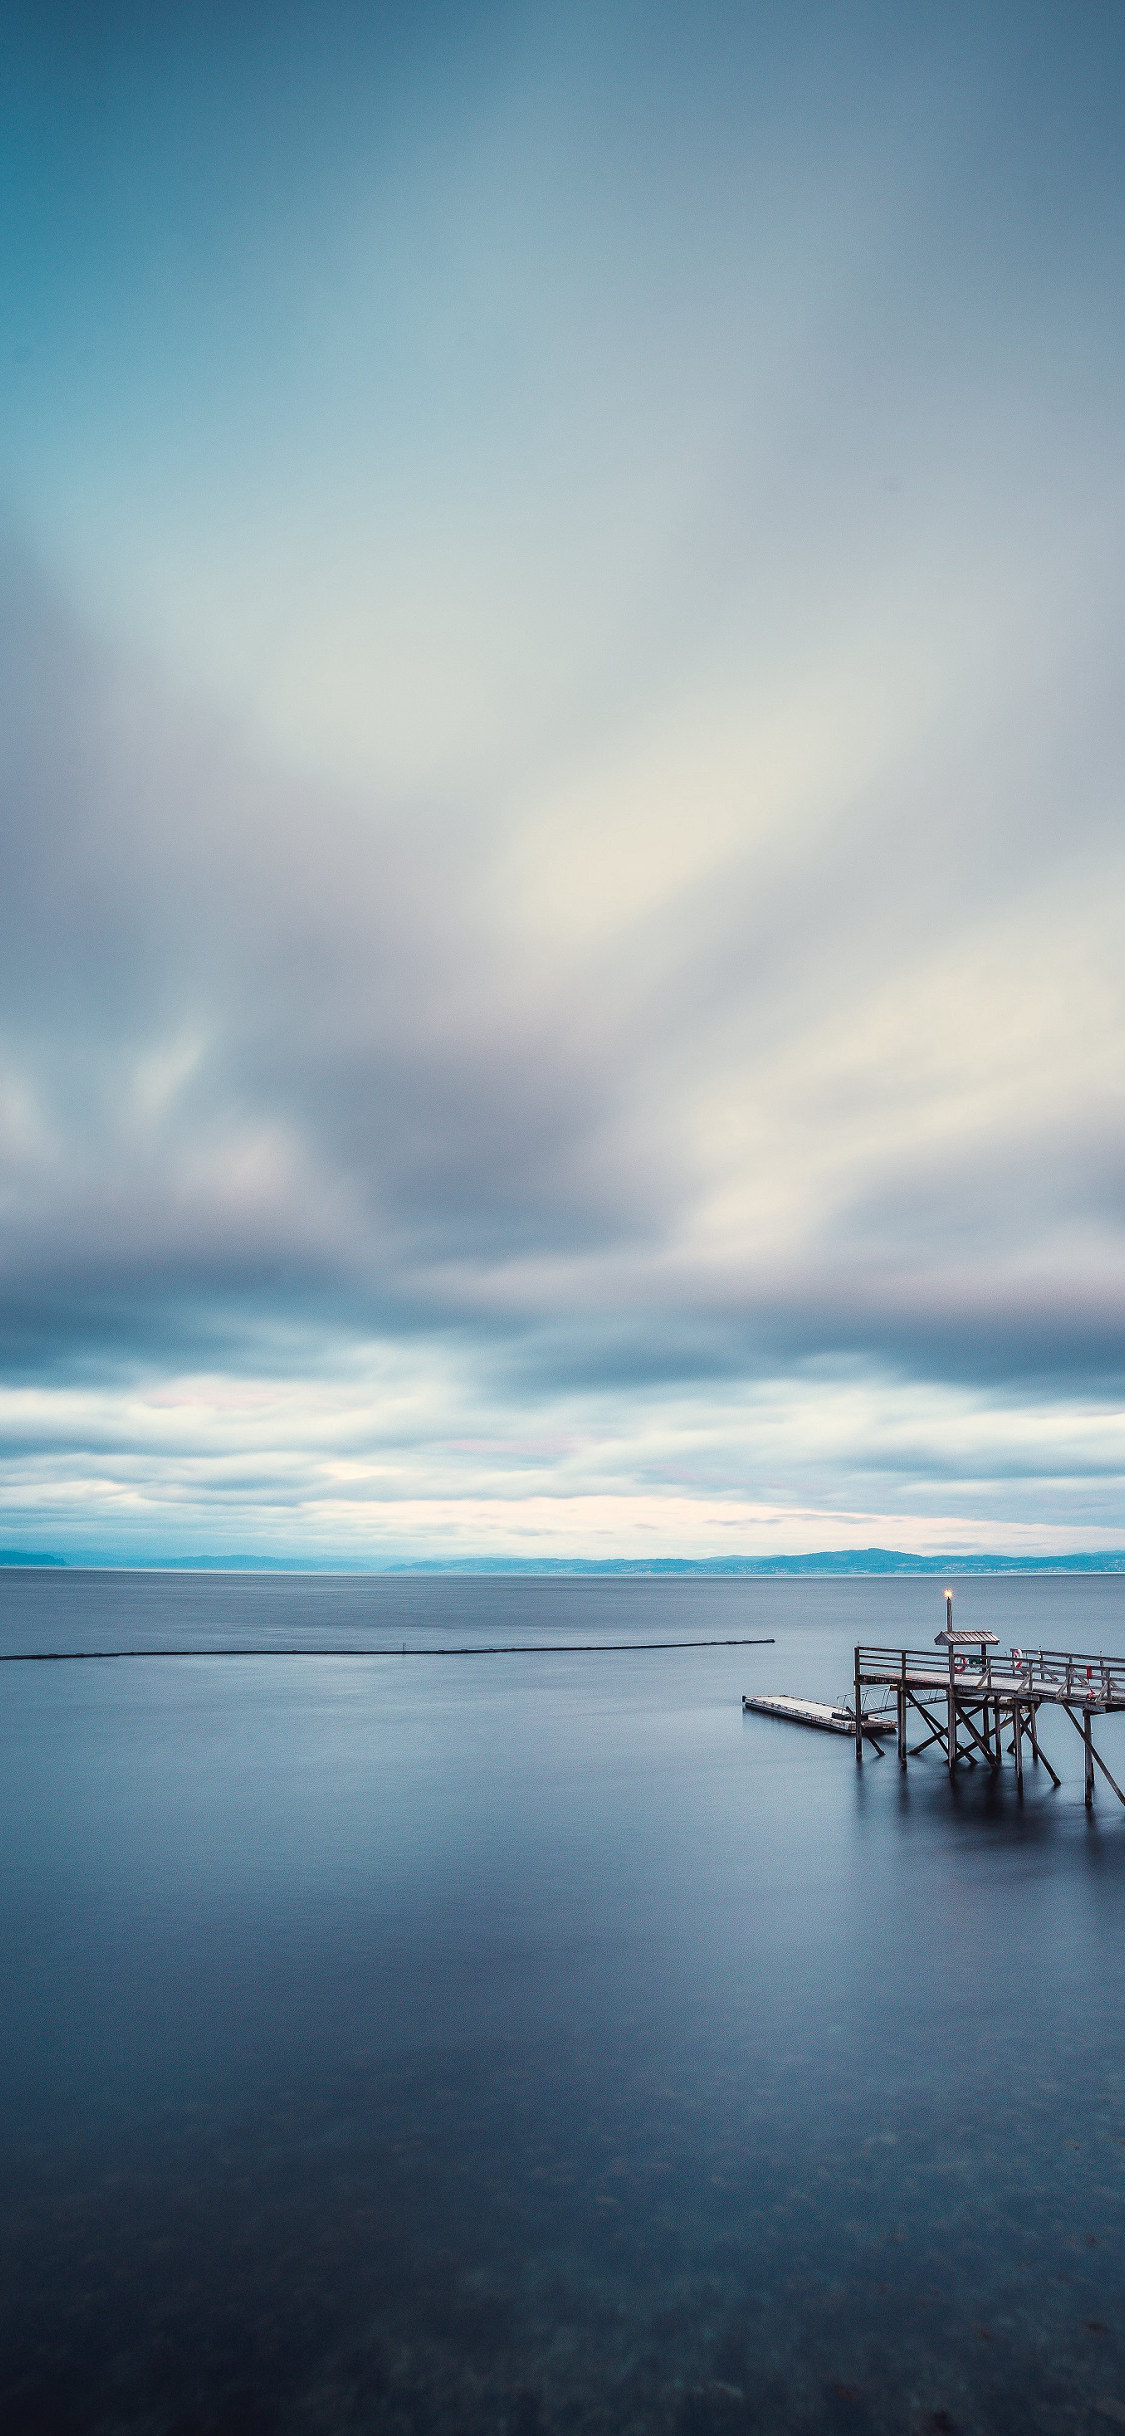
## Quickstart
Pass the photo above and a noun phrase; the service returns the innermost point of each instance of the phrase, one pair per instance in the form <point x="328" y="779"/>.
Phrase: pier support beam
<point x="975" y="1735"/>
<point x="1055" y="1780"/>
<point x="858" y="1715"/>
<point x="1085" y="1728"/>
<point x="1087" y="1738"/>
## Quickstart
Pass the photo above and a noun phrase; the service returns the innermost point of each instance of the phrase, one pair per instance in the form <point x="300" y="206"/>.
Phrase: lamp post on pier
<point x="954" y="1638"/>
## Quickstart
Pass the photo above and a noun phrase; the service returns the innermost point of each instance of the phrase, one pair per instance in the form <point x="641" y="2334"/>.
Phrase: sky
<point x="562" y="779"/>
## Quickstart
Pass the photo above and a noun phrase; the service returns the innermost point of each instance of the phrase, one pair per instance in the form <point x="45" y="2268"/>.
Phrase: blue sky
<point x="561" y="780"/>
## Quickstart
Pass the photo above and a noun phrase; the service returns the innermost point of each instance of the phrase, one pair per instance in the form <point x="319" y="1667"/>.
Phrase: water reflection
<point x="553" y="2049"/>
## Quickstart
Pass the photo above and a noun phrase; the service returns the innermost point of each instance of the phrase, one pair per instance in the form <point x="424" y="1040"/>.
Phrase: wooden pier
<point x="975" y="1697"/>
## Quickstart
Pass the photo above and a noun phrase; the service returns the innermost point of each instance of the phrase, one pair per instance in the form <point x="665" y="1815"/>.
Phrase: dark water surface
<point x="538" y="2044"/>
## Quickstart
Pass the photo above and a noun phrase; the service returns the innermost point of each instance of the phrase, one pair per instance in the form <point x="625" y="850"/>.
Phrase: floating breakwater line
<point x="469" y="1649"/>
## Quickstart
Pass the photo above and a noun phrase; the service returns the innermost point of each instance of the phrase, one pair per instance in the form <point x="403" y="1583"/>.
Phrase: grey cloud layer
<point x="279" y="1066"/>
<point x="562" y="851"/>
<point x="258" y="1061"/>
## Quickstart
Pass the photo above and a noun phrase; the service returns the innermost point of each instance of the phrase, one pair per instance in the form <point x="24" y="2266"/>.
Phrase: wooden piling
<point x="1087" y="1739"/>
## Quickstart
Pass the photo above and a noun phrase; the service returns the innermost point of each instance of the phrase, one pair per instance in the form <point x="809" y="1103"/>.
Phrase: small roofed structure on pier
<point x="962" y="1636"/>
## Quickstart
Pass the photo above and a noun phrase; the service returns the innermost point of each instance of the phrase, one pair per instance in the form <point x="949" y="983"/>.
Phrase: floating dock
<point x="818" y="1713"/>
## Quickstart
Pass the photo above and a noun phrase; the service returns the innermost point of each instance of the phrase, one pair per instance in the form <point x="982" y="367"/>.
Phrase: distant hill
<point x="820" y="1561"/>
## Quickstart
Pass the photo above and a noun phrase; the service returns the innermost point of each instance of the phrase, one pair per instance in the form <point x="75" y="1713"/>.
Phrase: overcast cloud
<point x="561" y="782"/>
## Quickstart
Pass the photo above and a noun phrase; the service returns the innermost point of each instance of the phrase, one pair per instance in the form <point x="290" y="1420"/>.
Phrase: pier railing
<point x="1062" y="1673"/>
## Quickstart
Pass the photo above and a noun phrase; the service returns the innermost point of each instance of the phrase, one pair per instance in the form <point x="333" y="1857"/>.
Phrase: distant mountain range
<point x="821" y="1560"/>
<point x="838" y="1561"/>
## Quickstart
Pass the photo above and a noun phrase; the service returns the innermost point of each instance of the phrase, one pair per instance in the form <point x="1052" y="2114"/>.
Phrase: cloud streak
<point x="570" y="900"/>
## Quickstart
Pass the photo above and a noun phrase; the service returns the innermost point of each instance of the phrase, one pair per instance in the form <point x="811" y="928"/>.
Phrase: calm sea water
<point x="538" y="2044"/>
